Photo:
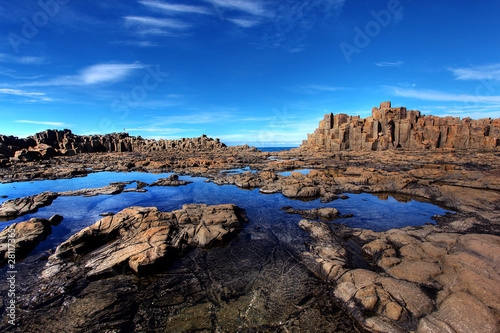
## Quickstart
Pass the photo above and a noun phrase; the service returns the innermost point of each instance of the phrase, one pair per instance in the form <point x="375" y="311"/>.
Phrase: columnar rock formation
<point x="390" y="128"/>
<point x="54" y="142"/>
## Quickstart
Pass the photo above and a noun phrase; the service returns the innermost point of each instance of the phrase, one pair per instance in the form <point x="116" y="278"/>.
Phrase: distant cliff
<point x="52" y="143"/>
<point x="390" y="128"/>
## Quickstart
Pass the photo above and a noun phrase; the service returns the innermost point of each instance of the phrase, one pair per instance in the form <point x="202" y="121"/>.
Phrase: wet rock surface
<point x="110" y="189"/>
<point x="144" y="239"/>
<point x="19" y="239"/>
<point x="324" y="214"/>
<point x="172" y="180"/>
<point x="21" y="206"/>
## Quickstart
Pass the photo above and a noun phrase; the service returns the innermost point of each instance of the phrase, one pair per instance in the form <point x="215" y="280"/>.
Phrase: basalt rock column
<point x="390" y="128"/>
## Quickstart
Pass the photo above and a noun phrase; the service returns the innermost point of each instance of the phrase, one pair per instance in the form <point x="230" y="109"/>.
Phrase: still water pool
<point x="255" y="283"/>
<point x="263" y="211"/>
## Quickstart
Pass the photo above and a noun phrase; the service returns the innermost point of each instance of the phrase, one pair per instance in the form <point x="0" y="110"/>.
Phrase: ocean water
<point x="271" y="149"/>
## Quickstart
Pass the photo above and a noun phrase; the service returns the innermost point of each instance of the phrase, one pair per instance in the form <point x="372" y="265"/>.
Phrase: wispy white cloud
<point x="18" y="92"/>
<point x="254" y="7"/>
<point x="244" y="23"/>
<point x="439" y="96"/>
<point x="24" y="60"/>
<point x="259" y="119"/>
<point x="138" y="43"/>
<point x="35" y="96"/>
<point x="316" y="88"/>
<point x="389" y="64"/>
<point x="293" y="21"/>
<point x="463" y="110"/>
<point x="157" y="22"/>
<point x="103" y="73"/>
<point x="168" y="7"/>
<point x="489" y="72"/>
<point x="13" y="74"/>
<point x="49" y="123"/>
<point x="92" y="75"/>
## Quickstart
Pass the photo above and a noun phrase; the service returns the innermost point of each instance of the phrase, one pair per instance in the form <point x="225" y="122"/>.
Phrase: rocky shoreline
<point x="442" y="277"/>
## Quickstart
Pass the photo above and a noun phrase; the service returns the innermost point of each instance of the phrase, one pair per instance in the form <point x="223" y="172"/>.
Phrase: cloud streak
<point x="389" y="64"/>
<point x="316" y="88"/>
<point x="176" y="8"/>
<point x="24" y="60"/>
<point x="244" y="23"/>
<point x="157" y="22"/>
<point x="255" y="8"/>
<point x="49" y="123"/>
<point x="439" y="96"/>
<point x="92" y="75"/>
<point x="34" y="95"/>
<point x="490" y="72"/>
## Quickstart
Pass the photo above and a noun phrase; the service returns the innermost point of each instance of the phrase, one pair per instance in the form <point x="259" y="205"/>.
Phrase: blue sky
<point x="261" y="72"/>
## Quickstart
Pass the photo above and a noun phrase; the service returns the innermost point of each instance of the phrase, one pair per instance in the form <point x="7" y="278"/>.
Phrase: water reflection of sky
<point x="289" y="173"/>
<point x="237" y="171"/>
<point x="263" y="210"/>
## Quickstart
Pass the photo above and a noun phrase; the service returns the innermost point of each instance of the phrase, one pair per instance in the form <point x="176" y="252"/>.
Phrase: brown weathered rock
<point x="463" y="268"/>
<point x="324" y="214"/>
<point x="460" y="313"/>
<point x="172" y="180"/>
<point x="390" y="128"/>
<point x="111" y="189"/>
<point x="145" y="238"/>
<point x="30" y="204"/>
<point x="415" y="271"/>
<point x="19" y="239"/>
<point x="50" y="143"/>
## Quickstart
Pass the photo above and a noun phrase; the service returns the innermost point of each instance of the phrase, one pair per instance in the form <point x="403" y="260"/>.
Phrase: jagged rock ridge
<point x="390" y="128"/>
<point x="52" y="143"/>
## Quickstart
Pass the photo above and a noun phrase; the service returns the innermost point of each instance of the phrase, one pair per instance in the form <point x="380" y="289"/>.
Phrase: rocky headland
<point x="442" y="277"/>
<point x="391" y="128"/>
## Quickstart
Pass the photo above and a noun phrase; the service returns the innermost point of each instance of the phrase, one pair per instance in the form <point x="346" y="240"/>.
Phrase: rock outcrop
<point x="19" y="239"/>
<point x="30" y="204"/>
<point x="145" y="238"/>
<point x="50" y="143"/>
<point x="323" y="214"/>
<point x="419" y="279"/>
<point x="390" y="128"/>
<point x="172" y="180"/>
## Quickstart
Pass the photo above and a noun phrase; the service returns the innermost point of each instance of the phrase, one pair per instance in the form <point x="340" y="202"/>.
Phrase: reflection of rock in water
<point x="251" y="285"/>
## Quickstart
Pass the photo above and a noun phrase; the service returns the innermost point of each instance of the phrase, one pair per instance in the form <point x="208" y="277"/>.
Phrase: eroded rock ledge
<point x="21" y="206"/>
<point x="19" y="239"/>
<point x="416" y="278"/>
<point x="145" y="239"/>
